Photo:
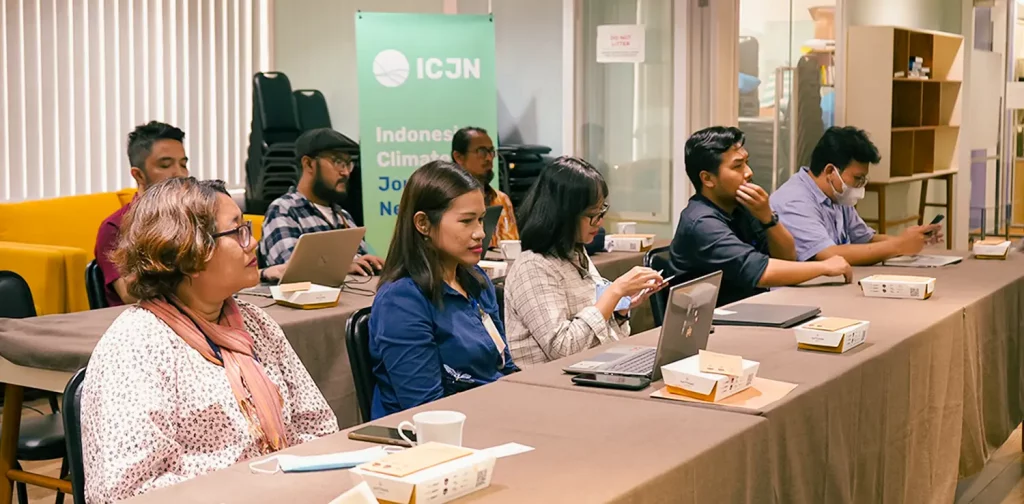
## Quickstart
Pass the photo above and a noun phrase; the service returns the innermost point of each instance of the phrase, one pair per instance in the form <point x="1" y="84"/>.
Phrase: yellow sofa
<point x="50" y="242"/>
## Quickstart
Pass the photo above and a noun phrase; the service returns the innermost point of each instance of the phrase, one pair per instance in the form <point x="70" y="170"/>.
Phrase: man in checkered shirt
<point x="314" y="204"/>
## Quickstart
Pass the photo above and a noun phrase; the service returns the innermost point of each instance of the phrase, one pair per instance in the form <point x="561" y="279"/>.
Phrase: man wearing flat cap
<point x="314" y="204"/>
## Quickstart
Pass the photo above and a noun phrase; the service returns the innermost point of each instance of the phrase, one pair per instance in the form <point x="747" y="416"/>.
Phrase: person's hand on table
<point x="837" y="266"/>
<point x="366" y="265"/>
<point x="273" y="273"/>
<point x="755" y="199"/>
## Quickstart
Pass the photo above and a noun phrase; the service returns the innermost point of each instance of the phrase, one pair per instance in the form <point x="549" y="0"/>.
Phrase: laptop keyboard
<point x="640" y="363"/>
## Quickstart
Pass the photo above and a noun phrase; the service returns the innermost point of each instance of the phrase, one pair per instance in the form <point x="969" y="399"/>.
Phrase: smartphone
<point x="382" y="435"/>
<point x="612" y="381"/>
<point x="938" y="219"/>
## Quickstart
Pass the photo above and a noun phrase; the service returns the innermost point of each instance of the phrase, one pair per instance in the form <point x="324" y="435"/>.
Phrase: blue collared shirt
<point x="814" y="220"/>
<point x="421" y="353"/>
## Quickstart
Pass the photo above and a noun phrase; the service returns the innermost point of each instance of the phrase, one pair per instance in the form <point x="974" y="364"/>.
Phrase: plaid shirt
<point x="291" y="216"/>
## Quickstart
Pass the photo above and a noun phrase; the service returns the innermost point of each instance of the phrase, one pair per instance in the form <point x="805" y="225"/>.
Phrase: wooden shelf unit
<point x="914" y="122"/>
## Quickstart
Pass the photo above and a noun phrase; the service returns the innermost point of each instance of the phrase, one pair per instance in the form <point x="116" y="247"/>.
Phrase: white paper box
<point x="318" y="296"/>
<point x="991" y="249"/>
<point x="628" y="242"/>
<point x="494" y="269"/>
<point x="434" y="485"/>
<point x="840" y="340"/>
<point x="898" y="286"/>
<point x="685" y="378"/>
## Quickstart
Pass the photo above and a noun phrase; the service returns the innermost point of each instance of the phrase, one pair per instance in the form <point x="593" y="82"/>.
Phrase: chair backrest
<point x="95" y="287"/>
<point x="312" y="107"/>
<point x="357" y="341"/>
<point x="15" y="296"/>
<point x="499" y="293"/>
<point x="71" y="413"/>
<point x="275" y="103"/>
<point x="658" y="260"/>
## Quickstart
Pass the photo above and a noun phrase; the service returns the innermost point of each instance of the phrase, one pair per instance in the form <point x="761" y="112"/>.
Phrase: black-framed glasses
<point x="485" y="151"/>
<point x="594" y="219"/>
<point x="340" y="162"/>
<point x="242" y="233"/>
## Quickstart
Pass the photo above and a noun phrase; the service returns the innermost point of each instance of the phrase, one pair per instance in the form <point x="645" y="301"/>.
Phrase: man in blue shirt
<point x="817" y="205"/>
<point x="729" y="226"/>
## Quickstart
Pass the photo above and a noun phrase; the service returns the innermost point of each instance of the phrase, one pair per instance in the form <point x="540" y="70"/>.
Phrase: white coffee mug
<point x="626" y="228"/>
<point x="438" y="426"/>
<point x="510" y="249"/>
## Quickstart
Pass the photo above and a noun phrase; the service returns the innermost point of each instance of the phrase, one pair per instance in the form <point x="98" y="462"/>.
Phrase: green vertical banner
<point x="421" y="78"/>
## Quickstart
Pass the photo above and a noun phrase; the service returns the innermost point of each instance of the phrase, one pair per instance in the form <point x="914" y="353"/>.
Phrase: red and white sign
<point x="620" y="44"/>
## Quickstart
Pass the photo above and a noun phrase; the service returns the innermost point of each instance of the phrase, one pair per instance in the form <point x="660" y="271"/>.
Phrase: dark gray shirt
<point x="709" y="240"/>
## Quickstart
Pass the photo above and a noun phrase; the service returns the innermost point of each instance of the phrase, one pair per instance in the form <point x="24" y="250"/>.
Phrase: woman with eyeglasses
<point x="189" y="380"/>
<point x="556" y="302"/>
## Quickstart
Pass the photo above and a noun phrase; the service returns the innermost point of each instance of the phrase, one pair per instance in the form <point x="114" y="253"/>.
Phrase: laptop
<point x="321" y="258"/>
<point x="922" y="261"/>
<point x="684" y="331"/>
<point x="765" y="315"/>
<point x="490" y="225"/>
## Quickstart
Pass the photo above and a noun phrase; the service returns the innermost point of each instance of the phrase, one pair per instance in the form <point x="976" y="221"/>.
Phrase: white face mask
<point x="341" y="460"/>
<point x="848" y="196"/>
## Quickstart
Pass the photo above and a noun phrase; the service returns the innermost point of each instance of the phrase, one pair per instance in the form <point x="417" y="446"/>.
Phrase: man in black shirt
<point x="729" y="226"/>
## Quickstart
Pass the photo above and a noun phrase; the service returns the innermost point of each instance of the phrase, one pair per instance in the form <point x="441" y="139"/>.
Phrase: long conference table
<point x="43" y="353"/>
<point x="932" y="393"/>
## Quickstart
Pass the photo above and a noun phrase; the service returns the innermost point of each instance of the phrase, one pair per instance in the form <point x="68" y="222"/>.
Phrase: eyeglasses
<point x="340" y="163"/>
<point x="485" y="151"/>
<point x="861" y="181"/>
<point x="242" y="233"/>
<point x="594" y="219"/>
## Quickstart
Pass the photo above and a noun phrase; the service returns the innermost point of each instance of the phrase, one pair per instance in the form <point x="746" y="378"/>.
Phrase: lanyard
<point x="492" y="331"/>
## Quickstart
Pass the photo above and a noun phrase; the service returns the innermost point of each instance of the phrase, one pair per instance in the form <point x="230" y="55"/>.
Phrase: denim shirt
<point x="421" y="353"/>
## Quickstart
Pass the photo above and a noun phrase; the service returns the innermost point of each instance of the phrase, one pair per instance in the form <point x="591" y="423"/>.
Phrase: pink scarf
<point x="257" y="396"/>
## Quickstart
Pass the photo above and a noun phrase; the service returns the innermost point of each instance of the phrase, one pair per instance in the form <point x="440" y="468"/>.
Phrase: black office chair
<point x="499" y="293"/>
<point x="658" y="260"/>
<point x="95" y="286"/>
<point x="72" y="414"/>
<point x="357" y="340"/>
<point x="41" y="438"/>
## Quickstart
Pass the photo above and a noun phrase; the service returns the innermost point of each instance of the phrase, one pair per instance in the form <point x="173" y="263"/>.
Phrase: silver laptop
<point x="321" y="258"/>
<point x="684" y="331"/>
<point x="764" y="315"/>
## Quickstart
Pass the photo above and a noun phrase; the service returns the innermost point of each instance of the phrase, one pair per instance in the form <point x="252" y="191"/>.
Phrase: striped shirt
<point x="292" y="216"/>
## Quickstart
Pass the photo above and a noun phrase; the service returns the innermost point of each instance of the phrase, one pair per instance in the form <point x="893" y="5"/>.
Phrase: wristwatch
<point x="770" y="224"/>
<point x="620" y="318"/>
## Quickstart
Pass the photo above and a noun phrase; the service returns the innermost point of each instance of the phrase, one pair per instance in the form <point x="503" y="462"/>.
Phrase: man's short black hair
<point x="460" y="142"/>
<point x="704" y="149"/>
<point x="839" y="146"/>
<point x="141" y="140"/>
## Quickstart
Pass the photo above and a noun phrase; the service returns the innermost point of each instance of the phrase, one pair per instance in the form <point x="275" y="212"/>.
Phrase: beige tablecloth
<point x="589" y="449"/>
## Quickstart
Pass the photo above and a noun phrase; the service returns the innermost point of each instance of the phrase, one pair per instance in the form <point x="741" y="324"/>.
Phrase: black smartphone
<point x="382" y="435"/>
<point x="938" y="219"/>
<point x="612" y="381"/>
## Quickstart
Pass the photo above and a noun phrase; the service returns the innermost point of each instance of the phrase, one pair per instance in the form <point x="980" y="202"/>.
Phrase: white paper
<point x="722" y="312"/>
<point x="620" y="44"/>
<point x="506" y="450"/>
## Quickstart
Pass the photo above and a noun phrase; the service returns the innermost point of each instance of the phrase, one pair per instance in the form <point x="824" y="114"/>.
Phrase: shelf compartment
<point x="906" y="103"/>
<point x="924" y="151"/>
<point x="931" y="104"/>
<point x="900" y="50"/>
<point x="901" y="162"/>
<point x="920" y="46"/>
<point x="949" y="103"/>
<point x="946" y="140"/>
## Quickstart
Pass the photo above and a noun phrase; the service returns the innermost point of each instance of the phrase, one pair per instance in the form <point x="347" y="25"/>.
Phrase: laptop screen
<point x="490" y="225"/>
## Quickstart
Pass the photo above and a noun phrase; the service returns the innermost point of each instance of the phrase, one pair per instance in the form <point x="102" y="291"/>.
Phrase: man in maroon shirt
<point x="156" y="152"/>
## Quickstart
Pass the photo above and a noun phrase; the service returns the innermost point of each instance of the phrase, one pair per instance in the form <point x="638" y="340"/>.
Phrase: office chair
<point x="72" y="414"/>
<point x="357" y="341"/>
<point x="658" y="259"/>
<point x="95" y="286"/>
<point x="41" y="438"/>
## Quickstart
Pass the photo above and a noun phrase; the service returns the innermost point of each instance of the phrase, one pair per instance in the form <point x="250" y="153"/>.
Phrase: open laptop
<point x="490" y="226"/>
<point x="321" y="258"/>
<point x="684" y="331"/>
<point x="764" y="315"/>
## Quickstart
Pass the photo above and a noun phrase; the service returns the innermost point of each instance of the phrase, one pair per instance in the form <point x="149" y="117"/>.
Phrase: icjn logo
<point x="391" y="68"/>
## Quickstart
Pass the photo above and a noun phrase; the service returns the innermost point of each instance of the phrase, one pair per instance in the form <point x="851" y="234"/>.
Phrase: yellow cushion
<point x="70" y="221"/>
<point x="126" y="195"/>
<point x="257" y="225"/>
<point x="55" y="275"/>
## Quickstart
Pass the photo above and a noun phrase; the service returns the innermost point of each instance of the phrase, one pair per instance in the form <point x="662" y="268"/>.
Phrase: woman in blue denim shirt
<point x="434" y="326"/>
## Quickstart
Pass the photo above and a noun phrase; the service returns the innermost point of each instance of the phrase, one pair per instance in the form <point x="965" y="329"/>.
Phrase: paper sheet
<point x="506" y="450"/>
<point x="762" y="393"/>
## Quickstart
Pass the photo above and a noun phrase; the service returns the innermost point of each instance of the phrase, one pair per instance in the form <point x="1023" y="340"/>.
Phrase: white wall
<point x="314" y="44"/>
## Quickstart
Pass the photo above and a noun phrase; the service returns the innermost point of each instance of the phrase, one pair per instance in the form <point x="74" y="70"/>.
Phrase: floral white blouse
<point x="155" y="412"/>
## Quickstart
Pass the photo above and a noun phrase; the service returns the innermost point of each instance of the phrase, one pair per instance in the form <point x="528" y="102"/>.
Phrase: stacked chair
<point x="519" y="166"/>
